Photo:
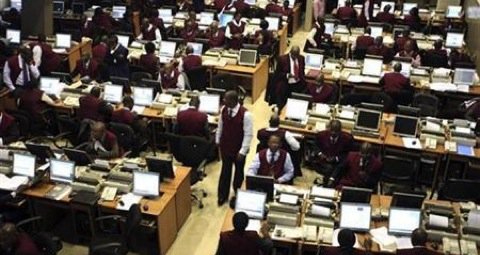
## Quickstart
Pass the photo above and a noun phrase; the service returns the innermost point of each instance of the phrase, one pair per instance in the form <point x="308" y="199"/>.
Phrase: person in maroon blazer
<point x="100" y="50"/>
<point x="401" y="40"/>
<point x="34" y="101"/>
<point x="362" y="43"/>
<point x="192" y="122"/>
<point x="87" y="27"/>
<point x="395" y="82"/>
<point x="90" y="106"/>
<point x="102" y="20"/>
<point x="438" y="48"/>
<point x="437" y="57"/>
<point x="321" y="92"/>
<point x="291" y="75"/>
<point x="124" y="114"/>
<point x="13" y="241"/>
<point x="87" y="66"/>
<point x="273" y="7"/>
<point x="378" y="49"/>
<point x="360" y="169"/>
<point x="241" y="7"/>
<point x="149" y="61"/>
<point x="103" y="143"/>
<point x="157" y="21"/>
<point x="9" y="131"/>
<point x="45" y="59"/>
<point x="215" y="36"/>
<point x="412" y="19"/>
<point x="236" y="32"/>
<point x="242" y="242"/>
<point x="171" y="78"/>
<point x="346" y="239"/>
<point x="149" y="32"/>
<point x="264" y="39"/>
<point x="419" y="241"/>
<point x="190" y="61"/>
<point x="385" y="16"/>
<point x="410" y="52"/>
<point x="190" y="31"/>
<point x="459" y="56"/>
<point x="346" y="14"/>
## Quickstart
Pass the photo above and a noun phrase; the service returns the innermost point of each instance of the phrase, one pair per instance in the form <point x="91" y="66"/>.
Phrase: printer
<point x="432" y="129"/>
<point x="462" y="133"/>
<point x="439" y="220"/>
<point x="319" y="116"/>
<point x="346" y="115"/>
<point x="286" y="208"/>
<point x="441" y="75"/>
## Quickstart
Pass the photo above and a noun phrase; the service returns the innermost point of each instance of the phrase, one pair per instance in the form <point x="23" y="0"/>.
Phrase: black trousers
<point x="226" y="176"/>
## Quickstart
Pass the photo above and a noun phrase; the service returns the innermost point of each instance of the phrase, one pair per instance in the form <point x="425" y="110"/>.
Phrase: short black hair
<point x="128" y="102"/>
<point x="240" y="221"/>
<point x="346" y="238"/>
<point x="419" y="237"/>
<point x="274" y="121"/>
<point x="95" y="92"/>
<point x="264" y="24"/>
<point x="150" y="47"/>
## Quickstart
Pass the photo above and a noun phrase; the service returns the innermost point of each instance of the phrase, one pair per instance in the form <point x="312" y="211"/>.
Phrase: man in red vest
<point x="100" y="50"/>
<point x="190" y="61"/>
<point x="13" y="71"/>
<point x="397" y="86"/>
<point x="125" y="115"/>
<point x="378" y="49"/>
<point x="192" y="122"/>
<point x="8" y="129"/>
<point x="385" y="16"/>
<point x="171" y="78"/>
<point x="236" y="31"/>
<point x="273" y="162"/>
<point x="234" y="135"/>
<point x="149" y="61"/>
<point x="149" y="32"/>
<point x="45" y="59"/>
<point x="321" y="92"/>
<point x="419" y="240"/>
<point x="90" y="106"/>
<point x="215" y="36"/>
<point x="87" y="66"/>
<point x="103" y="143"/>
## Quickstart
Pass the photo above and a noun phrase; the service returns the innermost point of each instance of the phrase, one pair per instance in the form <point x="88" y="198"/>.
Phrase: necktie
<point x="296" y="68"/>
<point x="230" y="113"/>
<point x="26" y="76"/>
<point x="272" y="163"/>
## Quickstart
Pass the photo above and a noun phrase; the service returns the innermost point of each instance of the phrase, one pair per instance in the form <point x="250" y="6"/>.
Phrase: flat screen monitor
<point x="408" y="6"/>
<point x="14" y="36"/>
<point x="376" y="31"/>
<point x="372" y="67"/>
<point x="225" y="18"/>
<point x="296" y="109"/>
<point x="78" y="7"/>
<point x="368" y="120"/>
<point x="58" y="7"/>
<point x="273" y="23"/>
<point x="355" y="195"/>
<point x="124" y="40"/>
<point x="167" y="49"/>
<point x="262" y="184"/>
<point x="454" y="40"/>
<point x="329" y="28"/>
<point x="209" y="103"/>
<point x="385" y="3"/>
<point x="142" y="96"/>
<point x="197" y="48"/>
<point x="405" y="126"/>
<point x="165" y="12"/>
<point x="206" y="18"/>
<point x="163" y="167"/>
<point x="247" y="57"/>
<point x="402" y="221"/>
<point x="454" y="12"/>
<point x="355" y="216"/>
<point x="341" y="3"/>
<point x="113" y="93"/>
<point x="62" y="171"/>
<point x="81" y="158"/>
<point x="24" y="165"/>
<point x="251" y="202"/>
<point x="63" y="40"/>
<point x="146" y="184"/>
<point x="51" y="86"/>
<point x="17" y="4"/>
<point x="406" y="67"/>
<point x="464" y="76"/>
<point x="407" y="200"/>
<point x="118" y="11"/>
<point x="313" y="61"/>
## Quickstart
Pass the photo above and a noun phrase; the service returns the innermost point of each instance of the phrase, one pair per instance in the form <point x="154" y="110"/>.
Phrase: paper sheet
<point x="384" y="240"/>
<point x="474" y="219"/>
<point x="12" y="183"/>
<point x="404" y="243"/>
<point x="323" y="192"/>
<point x="321" y="211"/>
<point x="288" y="199"/>
<point x="411" y="143"/>
<point x="138" y="109"/>
<point x="128" y="200"/>
<point x="438" y="221"/>
<point x="322" y="108"/>
<point x="254" y="225"/>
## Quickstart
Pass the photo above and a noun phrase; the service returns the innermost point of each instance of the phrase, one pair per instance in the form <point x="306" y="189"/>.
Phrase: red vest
<point x="232" y="132"/>
<point x="50" y="60"/>
<point x="330" y="149"/>
<point x="240" y="243"/>
<point x="189" y="34"/>
<point x="352" y="176"/>
<point x="123" y="116"/>
<point x="394" y="82"/>
<point x="268" y="169"/>
<point x="149" y="62"/>
<point x="91" y="70"/>
<point x="31" y="101"/>
<point x="7" y="120"/>
<point x="89" y="108"/>
<point x="149" y="35"/>
<point x="236" y="43"/>
<point x="191" y="122"/>
<point x="216" y="40"/>
<point x="191" y="61"/>
<point x="385" y="17"/>
<point x="320" y="97"/>
<point x="15" y="68"/>
<point x="99" y="52"/>
<point x="169" y="82"/>
<point x="274" y="8"/>
<point x="364" y="41"/>
<point x="109" y="140"/>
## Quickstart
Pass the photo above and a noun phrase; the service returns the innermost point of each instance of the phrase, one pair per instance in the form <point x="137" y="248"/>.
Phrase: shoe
<point x="232" y="202"/>
<point x="221" y="201"/>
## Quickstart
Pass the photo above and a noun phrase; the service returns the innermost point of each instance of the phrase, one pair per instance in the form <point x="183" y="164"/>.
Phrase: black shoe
<point x="232" y="202"/>
<point x="221" y="201"/>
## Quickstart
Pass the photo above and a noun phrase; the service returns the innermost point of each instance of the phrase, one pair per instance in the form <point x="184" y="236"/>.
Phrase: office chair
<point x="227" y="82"/>
<point x="427" y="103"/>
<point x="127" y="139"/>
<point x="71" y="128"/>
<point x="117" y="242"/>
<point x="46" y="242"/>
<point x="23" y="122"/>
<point x="459" y="190"/>
<point x="435" y="60"/>
<point x="198" y="78"/>
<point x="398" y="171"/>
<point x="472" y="171"/>
<point x="334" y="98"/>
<point x="138" y="76"/>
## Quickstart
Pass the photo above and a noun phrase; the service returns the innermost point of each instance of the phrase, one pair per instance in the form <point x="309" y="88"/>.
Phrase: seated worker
<point x="437" y="57"/>
<point x="189" y="61"/>
<point x="401" y="40"/>
<point x="90" y="106"/>
<point x="215" y="36"/>
<point x="273" y="7"/>
<point x="242" y="7"/>
<point x="288" y="140"/>
<point x="190" y="31"/>
<point x="346" y="14"/>
<point x="397" y="86"/>
<point x="321" y="92"/>
<point x="45" y="59"/>
<point x="102" y="20"/>
<point x="103" y="143"/>
<point x="124" y="114"/>
<point x="410" y="52"/>
<point x="87" y="67"/>
<point x="385" y="16"/>
<point x="362" y="43"/>
<point x="346" y="239"/>
<point x="16" y="242"/>
<point x="157" y="22"/>
<point x="35" y="101"/>
<point x="240" y="241"/>
<point x="192" y="122"/>
<point x="317" y="35"/>
<point x="412" y="19"/>
<point x="236" y="32"/>
<point x="171" y="78"/>
<point x="360" y="169"/>
<point x="378" y="49"/>
<point x="419" y="241"/>
<point x="149" y="61"/>
<point x="149" y="32"/>
<point x="459" y="56"/>
<point x="274" y="162"/>
<point x="264" y="39"/>
<point x="9" y="131"/>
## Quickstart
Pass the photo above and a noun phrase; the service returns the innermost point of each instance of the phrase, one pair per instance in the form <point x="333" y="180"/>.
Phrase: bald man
<point x="103" y="143"/>
<point x="171" y="78"/>
<point x="321" y="92"/>
<point x="291" y="73"/>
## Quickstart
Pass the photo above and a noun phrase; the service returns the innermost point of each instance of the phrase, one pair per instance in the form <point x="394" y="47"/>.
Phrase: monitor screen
<point x="118" y="11"/>
<point x="58" y="7"/>
<point x="368" y="120"/>
<point x="296" y="109"/>
<point x="113" y="93"/>
<point x="14" y="36"/>
<point x="167" y="49"/>
<point x="372" y="66"/>
<point x="355" y="216"/>
<point x="62" y="171"/>
<point x="197" y="48"/>
<point x="142" y="96"/>
<point x="247" y="57"/>
<point x="251" y="2"/>
<point x="329" y="28"/>
<point x="63" y="40"/>
<point x="454" y="40"/>
<point x="408" y="6"/>
<point x="313" y="61"/>
<point x="51" y="85"/>
<point x="384" y="3"/>
<point x="146" y="183"/>
<point x="405" y="126"/>
<point x="24" y="165"/>
<point x="454" y="12"/>
<point x="407" y="200"/>
<point x="403" y="221"/>
<point x="261" y="183"/>
<point x="206" y="17"/>
<point x="376" y="31"/>
<point x="209" y="103"/>
<point x="273" y="23"/>
<point x="17" y="4"/>
<point x="355" y="195"/>
<point x="225" y="18"/>
<point x="341" y="3"/>
<point x="251" y="202"/>
<point x="464" y="76"/>
<point x="78" y="8"/>
<point x="124" y="40"/>
<point x="162" y="13"/>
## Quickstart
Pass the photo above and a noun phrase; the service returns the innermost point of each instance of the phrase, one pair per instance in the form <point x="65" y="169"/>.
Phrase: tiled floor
<point x="199" y="235"/>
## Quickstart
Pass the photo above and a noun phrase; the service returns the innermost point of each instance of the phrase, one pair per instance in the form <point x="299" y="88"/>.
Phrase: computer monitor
<point x="157" y="87"/>
<point x="251" y="2"/>
<point x="291" y="4"/>
<point x="313" y="61"/>
<point x="368" y="120"/>
<point x="372" y="66"/>
<point x="197" y="48"/>
<point x="398" y="30"/>
<point x="273" y="23"/>
<point x="225" y="18"/>
<point x="165" y="12"/>
<point x="355" y="216"/>
<point x="124" y="40"/>
<point x="142" y="96"/>
<point x="251" y="202"/>
<point x="58" y="7"/>
<point x="408" y="6"/>
<point x="81" y="158"/>
<point x="407" y="200"/>
<point x="63" y="40"/>
<point x="341" y="3"/>
<point x="406" y="66"/>
<point x="17" y="4"/>
<point x="402" y="221"/>
<point x="209" y="103"/>
<point x="167" y="49"/>
<point x="163" y="167"/>
<point x="24" y="165"/>
<point x="120" y="81"/>
<point x="301" y="96"/>
<point x="376" y="31"/>
<point x="454" y="12"/>
<point x="247" y="57"/>
<point x="146" y="184"/>
<point x="262" y="184"/>
<point x="296" y="109"/>
<point x="41" y="151"/>
<point x="329" y="28"/>
<point x="62" y="171"/>
<point x="408" y="111"/>
<point x="51" y="86"/>
<point x="118" y="11"/>
<point x="385" y="3"/>
<point x="454" y="40"/>
<point x="14" y="36"/>
<point x="371" y="106"/>
<point x="113" y="93"/>
<point x="356" y="195"/>
<point x="405" y="126"/>
<point x="464" y="76"/>
<point x="216" y="91"/>
<point x="206" y="18"/>
<point x="78" y="7"/>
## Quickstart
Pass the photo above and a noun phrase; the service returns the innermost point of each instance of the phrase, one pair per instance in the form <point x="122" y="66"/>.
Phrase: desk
<point x="180" y="186"/>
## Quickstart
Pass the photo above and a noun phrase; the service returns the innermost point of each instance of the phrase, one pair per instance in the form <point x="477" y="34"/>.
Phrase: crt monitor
<point x="62" y="171"/>
<point x="454" y="12"/>
<point x="14" y="36"/>
<point x="146" y="184"/>
<point x="42" y="151"/>
<point x="372" y="66"/>
<point x="273" y="23"/>
<point x="355" y="195"/>
<point x="251" y="202"/>
<point x="368" y="120"/>
<point x="17" y="4"/>
<point x="405" y="126"/>
<point x="51" y="85"/>
<point x="407" y="200"/>
<point x="209" y="103"/>
<point x="385" y="3"/>
<point x="124" y="40"/>
<point x="247" y="57"/>
<point x="163" y="167"/>
<point x="58" y="7"/>
<point x="24" y="165"/>
<point x="376" y="31"/>
<point x="355" y="216"/>
<point x="225" y="18"/>
<point x="464" y="76"/>
<point x="454" y="40"/>
<point x="167" y="49"/>
<point x="78" y="7"/>
<point x="408" y="6"/>
<point x="197" y="48"/>
<point x="118" y="11"/>
<point x="63" y="40"/>
<point x="261" y="183"/>
<point x="402" y="221"/>
<point x="142" y="96"/>
<point x="313" y="61"/>
<point x="81" y="158"/>
<point x="296" y="109"/>
<point x="113" y="93"/>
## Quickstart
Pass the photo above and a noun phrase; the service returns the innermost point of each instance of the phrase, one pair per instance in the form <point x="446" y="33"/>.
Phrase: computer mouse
<point x="414" y="142"/>
<point x="121" y="203"/>
<point x="145" y="207"/>
<point x="309" y="127"/>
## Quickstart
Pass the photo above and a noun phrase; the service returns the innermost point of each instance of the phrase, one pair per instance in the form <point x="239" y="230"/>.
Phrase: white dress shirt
<point x="365" y="9"/>
<point x="247" y="129"/>
<point x="180" y="80"/>
<point x="292" y="70"/>
<point x="311" y="35"/>
<point x="158" y="35"/>
<point x="287" y="167"/>
<point x="1" y="118"/>
<point x="292" y="142"/>
<point x="32" y="70"/>
<point x="229" y="35"/>
<point x="37" y="55"/>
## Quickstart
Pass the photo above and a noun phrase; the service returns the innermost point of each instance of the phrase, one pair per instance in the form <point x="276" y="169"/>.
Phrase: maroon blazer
<point x="149" y="34"/>
<point x="417" y="251"/>
<point x="189" y="34"/>
<point x="25" y="245"/>
<point x="263" y="135"/>
<point x="412" y="22"/>
<point x="103" y="21"/>
<point x="15" y="68"/>
<point x="339" y="149"/>
<point x="400" y="43"/>
<point x="235" y="243"/>
<point x="232" y="133"/>
<point x="149" y="62"/>
<point x="236" y="43"/>
<point x="92" y="70"/>
<point x="346" y="12"/>
<point x="216" y="40"/>
<point x="99" y="52"/>
<point x="241" y="7"/>
<point x="191" y="61"/>
<point x="323" y="96"/>
<point x="385" y="17"/>
<point x="192" y="122"/>
<point x="169" y="82"/>
<point x="357" y="176"/>
<point x="31" y="101"/>
<point x="284" y="66"/>
<point x="273" y="8"/>
<point x="267" y="168"/>
<point x="8" y="129"/>
<point x="394" y="82"/>
<point x="124" y="116"/>
<point x="50" y="60"/>
<point x="89" y="108"/>
<point x="364" y="41"/>
<point x="383" y="51"/>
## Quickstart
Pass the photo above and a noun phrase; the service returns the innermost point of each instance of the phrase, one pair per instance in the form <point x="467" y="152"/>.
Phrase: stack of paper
<point x="321" y="211"/>
<point x="128" y="200"/>
<point x="12" y="183"/>
<point x="384" y="240"/>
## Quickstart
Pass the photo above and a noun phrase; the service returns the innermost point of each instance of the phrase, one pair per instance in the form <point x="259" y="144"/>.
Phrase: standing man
<point x="117" y="59"/>
<point x="45" y="59"/>
<point x="291" y="71"/>
<point x="20" y="70"/>
<point x="234" y="135"/>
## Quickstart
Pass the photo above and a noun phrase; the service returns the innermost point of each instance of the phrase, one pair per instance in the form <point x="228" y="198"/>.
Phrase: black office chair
<point x="435" y="60"/>
<point x="23" y="122"/>
<point x="472" y="171"/>
<point x="46" y="242"/>
<point x="136" y="77"/>
<point x="399" y="172"/>
<point x="130" y="142"/>
<point x="458" y="190"/>
<point x="223" y="81"/>
<point x="427" y="103"/>
<point x="197" y="78"/>
<point x="114" y="242"/>
<point x="359" y="53"/>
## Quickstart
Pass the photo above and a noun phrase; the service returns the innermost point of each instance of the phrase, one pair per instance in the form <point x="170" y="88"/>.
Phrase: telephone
<point x="468" y="247"/>
<point x="109" y="193"/>
<point x="431" y="143"/>
<point x="450" y="246"/>
<point x="344" y="75"/>
<point x="325" y="235"/>
<point x="467" y="206"/>
<point x="451" y="146"/>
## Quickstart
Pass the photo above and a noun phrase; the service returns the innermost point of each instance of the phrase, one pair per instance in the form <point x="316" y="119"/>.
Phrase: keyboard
<point x="80" y="186"/>
<point x="292" y="123"/>
<point x="123" y="187"/>
<point x="120" y="176"/>
<point x="365" y="133"/>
